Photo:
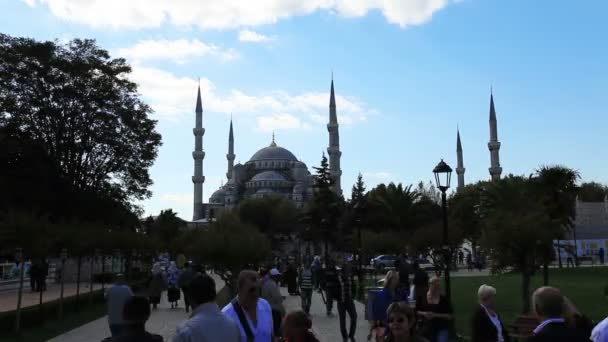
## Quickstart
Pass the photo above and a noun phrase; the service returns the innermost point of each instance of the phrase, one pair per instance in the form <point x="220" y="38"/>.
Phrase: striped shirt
<point x="306" y="279"/>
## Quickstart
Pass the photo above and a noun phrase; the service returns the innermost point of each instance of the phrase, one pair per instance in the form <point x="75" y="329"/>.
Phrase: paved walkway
<point x="8" y="298"/>
<point x="163" y="321"/>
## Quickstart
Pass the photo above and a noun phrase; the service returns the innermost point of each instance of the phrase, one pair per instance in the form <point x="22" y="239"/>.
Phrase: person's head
<point x="435" y="285"/>
<point x="487" y="296"/>
<point x="401" y="319"/>
<point x="136" y="311"/>
<point x="296" y="326"/>
<point x="202" y="289"/>
<point x="275" y="274"/>
<point x="120" y="279"/>
<point x="548" y="302"/>
<point x="248" y="287"/>
<point x="391" y="280"/>
<point x="157" y="268"/>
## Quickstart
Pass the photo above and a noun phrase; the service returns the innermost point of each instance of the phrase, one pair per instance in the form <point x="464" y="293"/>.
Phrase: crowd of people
<point x="402" y="311"/>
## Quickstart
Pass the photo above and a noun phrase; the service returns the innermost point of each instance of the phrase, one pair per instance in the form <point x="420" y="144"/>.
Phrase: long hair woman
<point x="436" y="312"/>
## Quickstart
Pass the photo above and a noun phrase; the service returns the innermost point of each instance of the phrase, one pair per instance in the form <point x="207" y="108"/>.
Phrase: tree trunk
<point x="78" y="283"/>
<point x="525" y="290"/>
<point x="546" y="273"/>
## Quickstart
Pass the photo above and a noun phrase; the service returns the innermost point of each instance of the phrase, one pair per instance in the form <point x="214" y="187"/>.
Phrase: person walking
<point x="135" y="314"/>
<point x="548" y="304"/>
<point x="331" y="285"/>
<point x="44" y="272"/>
<point x="156" y="285"/>
<point x="421" y="283"/>
<point x="252" y="314"/>
<point x="173" y="294"/>
<point x="296" y="328"/>
<point x="291" y="279"/>
<point x="317" y="271"/>
<point x="116" y="296"/>
<point x="306" y="286"/>
<point x="183" y="281"/>
<point x="34" y="274"/>
<point x="346" y="303"/>
<point x="436" y="313"/>
<point x="486" y="326"/>
<point x="401" y="324"/>
<point x="207" y="323"/>
<point x="271" y="293"/>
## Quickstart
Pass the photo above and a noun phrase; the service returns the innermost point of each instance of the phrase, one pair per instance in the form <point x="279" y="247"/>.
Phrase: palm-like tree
<point x="392" y="206"/>
<point x="557" y="189"/>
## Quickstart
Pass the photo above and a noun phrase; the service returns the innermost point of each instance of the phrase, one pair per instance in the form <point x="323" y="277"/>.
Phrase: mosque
<point x="271" y="171"/>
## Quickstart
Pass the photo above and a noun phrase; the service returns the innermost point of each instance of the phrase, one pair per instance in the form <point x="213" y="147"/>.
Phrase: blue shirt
<point x="382" y="301"/>
<point x="207" y="324"/>
<point x="263" y="331"/>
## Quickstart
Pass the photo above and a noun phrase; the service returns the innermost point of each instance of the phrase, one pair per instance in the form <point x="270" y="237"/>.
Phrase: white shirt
<point x="496" y="321"/>
<point x="207" y="324"/>
<point x="600" y="332"/>
<point x="547" y="321"/>
<point x="263" y="331"/>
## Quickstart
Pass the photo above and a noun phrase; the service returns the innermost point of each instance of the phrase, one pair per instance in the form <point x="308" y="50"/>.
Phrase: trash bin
<point x="371" y="295"/>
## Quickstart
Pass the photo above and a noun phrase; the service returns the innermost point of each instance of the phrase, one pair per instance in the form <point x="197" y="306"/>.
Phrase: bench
<point x="523" y="326"/>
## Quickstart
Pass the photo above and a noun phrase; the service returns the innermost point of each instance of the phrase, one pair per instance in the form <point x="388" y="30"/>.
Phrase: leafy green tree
<point x="325" y="209"/>
<point x="392" y="207"/>
<point x="273" y="216"/>
<point x="516" y="226"/>
<point x="464" y="212"/>
<point x="80" y="104"/>
<point x="166" y="227"/>
<point x="557" y="190"/>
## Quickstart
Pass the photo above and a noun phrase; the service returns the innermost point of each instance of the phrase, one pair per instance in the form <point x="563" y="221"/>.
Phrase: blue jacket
<point x="383" y="300"/>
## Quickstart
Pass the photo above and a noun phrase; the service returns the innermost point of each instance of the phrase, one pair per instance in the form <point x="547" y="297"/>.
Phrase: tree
<point x="429" y="191"/>
<point x="465" y="214"/>
<point x="592" y="192"/>
<point x="80" y="104"/>
<point x="358" y="192"/>
<point x="325" y="208"/>
<point x="392" y="207"/>
<point x="166" y="227"/>
<point x="557" y="190"/>
<point x="228" y="246"/>
<point x="516" y="226"/>
<point x="273" y="216"/>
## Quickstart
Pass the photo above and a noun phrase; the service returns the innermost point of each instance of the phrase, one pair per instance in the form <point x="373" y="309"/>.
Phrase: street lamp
<point x="19" y="259"/>
<point x="443" y="173"/>
<point x="63" y="256"/>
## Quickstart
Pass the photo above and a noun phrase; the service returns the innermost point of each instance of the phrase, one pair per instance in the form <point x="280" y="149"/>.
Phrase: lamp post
<point x="443" y="173"/>
<point x="19" y="258"/>
<point x="63" y="256"/>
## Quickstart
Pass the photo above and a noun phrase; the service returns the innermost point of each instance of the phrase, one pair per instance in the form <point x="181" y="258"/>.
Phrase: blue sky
<point x="407" y="73"/>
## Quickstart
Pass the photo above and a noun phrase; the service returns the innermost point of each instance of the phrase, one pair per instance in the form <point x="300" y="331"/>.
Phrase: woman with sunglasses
<point x="401" y="322"/>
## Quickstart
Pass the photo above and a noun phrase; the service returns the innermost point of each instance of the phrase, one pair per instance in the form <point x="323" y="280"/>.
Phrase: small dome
<point x="273" y="152"/>
<point x="268" y="176"/>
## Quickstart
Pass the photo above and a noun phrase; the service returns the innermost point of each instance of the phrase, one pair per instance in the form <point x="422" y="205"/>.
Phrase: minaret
<point x="334" y="143"/>
<point x="230" y="156"/>
<point x="198" y="179"/>
<point x="460" y="166"/>
<point x="494" y="144"/>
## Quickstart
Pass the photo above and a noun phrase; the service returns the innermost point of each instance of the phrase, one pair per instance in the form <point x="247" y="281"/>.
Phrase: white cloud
<point x="177" y="198"/>
<point x="172" y="97"/>
<point x="30" y="3"/>
<point x="229" y="14"/>
<point x="253" y="37"/>
<point x="177" y="50"/>
<point x="377" y="175"/>
<point x="280" y="121"/>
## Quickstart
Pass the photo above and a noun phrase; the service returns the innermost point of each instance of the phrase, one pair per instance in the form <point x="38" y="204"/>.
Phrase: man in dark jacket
<point x="184" y="280"/>
<point x="346" y="303"/>
<point x="548" y="305"/>
<point x="331" y="285"/>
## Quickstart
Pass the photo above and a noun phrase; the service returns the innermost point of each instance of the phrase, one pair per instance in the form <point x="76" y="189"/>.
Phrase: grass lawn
<point x="584" y="286"/>
<point x="54" y="328"/>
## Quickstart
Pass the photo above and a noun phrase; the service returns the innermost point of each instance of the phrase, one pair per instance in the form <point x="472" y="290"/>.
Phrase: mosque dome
<point x="273" y="152"/>
<point x="268" y="176"/>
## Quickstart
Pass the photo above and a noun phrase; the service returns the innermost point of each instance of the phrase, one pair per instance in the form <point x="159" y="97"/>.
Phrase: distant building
<point x="271" y="171"/>
<point x="590" y="232"/>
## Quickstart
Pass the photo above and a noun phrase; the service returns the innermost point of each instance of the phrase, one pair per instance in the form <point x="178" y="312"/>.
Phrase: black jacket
<point x="558" y="332"/>
<point x="482" y="328"/>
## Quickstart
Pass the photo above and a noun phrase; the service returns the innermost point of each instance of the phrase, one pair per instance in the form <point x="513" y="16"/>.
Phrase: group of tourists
<point x="400" y="311"/>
